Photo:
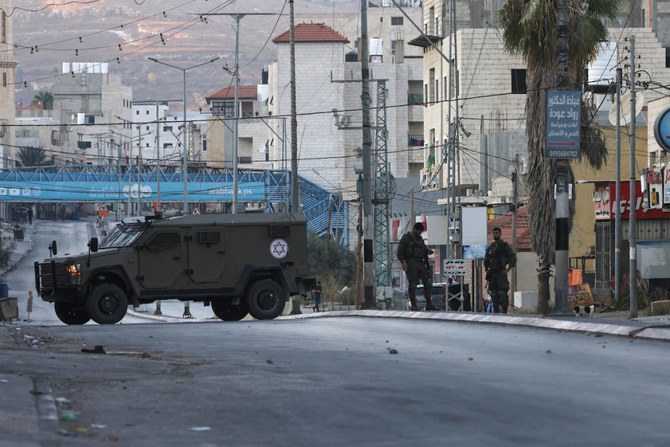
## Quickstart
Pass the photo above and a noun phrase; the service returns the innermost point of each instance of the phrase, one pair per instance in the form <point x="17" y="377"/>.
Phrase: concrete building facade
<point x="8" y="63"/>
<point x="92" y="101"/>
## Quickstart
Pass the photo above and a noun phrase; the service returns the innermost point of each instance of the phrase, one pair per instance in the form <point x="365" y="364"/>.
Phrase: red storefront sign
<point x="604" y="202"/>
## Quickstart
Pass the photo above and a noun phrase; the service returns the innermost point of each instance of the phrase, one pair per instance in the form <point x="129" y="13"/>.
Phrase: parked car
<point x="438" y="296"/>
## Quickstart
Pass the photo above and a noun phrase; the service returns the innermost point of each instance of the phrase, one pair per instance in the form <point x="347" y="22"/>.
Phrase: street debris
<point x="269" y="362"/>
<point x="97" y="350"/>
<point x="98" y="426"/>
<point x="200" y="428"/>
<point x="393" y="351"/>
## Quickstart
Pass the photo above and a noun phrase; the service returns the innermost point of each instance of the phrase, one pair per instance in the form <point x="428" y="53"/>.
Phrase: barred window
<point x="163" y="241"/>
<point x="209" y="237"/>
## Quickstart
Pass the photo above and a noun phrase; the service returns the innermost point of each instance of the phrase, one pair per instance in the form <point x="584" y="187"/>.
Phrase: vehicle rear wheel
<point x="107" y="304"/>
<point x="230" y="312"/>
<point x="71" y="314"/>
<point x="266" y="300"/>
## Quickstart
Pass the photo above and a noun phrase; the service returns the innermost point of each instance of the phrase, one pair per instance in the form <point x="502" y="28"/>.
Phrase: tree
<point x="340" y="261"/>
<point x="45" y="98"/>
<point x="32" y="156"/>
<point x="530" y="30"/>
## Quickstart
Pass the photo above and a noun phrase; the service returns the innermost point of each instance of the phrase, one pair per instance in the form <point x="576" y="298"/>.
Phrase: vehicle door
<point x="206" y="248"/>
<point x="162" y="258"/>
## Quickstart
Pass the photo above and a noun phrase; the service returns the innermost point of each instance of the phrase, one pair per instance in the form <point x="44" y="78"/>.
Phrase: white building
<point x="94" y="101"/>
<point x="328" y="74"/>
<point x="8" y="63"/>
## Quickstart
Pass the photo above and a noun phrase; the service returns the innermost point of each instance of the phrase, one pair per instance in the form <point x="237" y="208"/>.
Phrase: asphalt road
<point x="337" y="381"/>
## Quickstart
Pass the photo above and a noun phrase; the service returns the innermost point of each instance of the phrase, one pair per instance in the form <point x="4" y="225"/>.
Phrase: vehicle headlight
<point x="74" y="270"/>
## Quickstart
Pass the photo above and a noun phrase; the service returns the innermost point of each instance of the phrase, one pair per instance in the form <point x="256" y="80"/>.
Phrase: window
<point x="431" y="83"/>
<point x="4" y="79"/>
<point x="209" y="237"/>
<point x="167" y="128"/>
<point x="244" y="160"/>
<point x="397" y="20"/>
<point x="55" y="138"/>
<point x="519" y="81"/>
<point x="667" y="58"/>
<point x="147" y="112"/>
<point x="147" y="128"/>
<point x="147" y="145"/>
<point x="167" y="145"/>
<point x="204" y="145"/>
<point x="4" y="27"/>
<point x="137" y="112"/>
<point x="163" y="241"/>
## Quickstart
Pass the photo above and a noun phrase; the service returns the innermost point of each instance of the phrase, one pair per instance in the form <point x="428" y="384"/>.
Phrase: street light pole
<point x="185" y="149"/>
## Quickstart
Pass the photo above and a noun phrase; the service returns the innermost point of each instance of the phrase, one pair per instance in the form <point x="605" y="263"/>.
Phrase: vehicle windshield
<point x="124" y="235"/>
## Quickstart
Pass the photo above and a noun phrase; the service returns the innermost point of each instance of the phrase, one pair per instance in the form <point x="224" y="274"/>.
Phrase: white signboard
<point x="454" y="267"/>
<point x="474" y="225"/>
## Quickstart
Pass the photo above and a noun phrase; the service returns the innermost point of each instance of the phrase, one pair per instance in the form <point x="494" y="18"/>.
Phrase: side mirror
<point x="53" y="248"/>
<point x="93" y="244"/>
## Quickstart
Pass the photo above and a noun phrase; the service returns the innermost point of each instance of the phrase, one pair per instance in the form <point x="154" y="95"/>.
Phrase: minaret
<point x="8" y="63"/>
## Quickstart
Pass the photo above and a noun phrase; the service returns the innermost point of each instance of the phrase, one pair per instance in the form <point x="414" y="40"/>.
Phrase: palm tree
<point x="32" y="156"/>
<point x="45" y="98"/>
<point x="530" y="30"/>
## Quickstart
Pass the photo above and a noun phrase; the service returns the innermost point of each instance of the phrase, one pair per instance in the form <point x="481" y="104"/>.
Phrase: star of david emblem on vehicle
<point x="279" y="248"/>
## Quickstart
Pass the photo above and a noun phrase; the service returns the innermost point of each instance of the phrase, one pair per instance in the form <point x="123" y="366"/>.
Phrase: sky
<point x="47" y="33"/>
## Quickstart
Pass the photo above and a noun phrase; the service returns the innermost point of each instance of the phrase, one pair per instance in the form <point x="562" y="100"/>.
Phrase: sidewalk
<point x="21" y="249"/>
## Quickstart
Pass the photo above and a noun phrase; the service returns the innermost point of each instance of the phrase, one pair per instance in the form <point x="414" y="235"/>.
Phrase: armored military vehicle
<point x="239" y="263"/>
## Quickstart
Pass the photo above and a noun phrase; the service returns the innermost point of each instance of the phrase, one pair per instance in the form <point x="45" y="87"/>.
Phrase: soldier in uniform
<point x="499" y="260"/>
<point x="413" y="254"/>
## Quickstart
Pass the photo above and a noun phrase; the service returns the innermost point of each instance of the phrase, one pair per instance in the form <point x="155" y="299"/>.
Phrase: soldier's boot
<point x="504" y="309"/>
<point x="430" y="305"/>
<point x="496" y="309"/>
<point x="413" y="307"/>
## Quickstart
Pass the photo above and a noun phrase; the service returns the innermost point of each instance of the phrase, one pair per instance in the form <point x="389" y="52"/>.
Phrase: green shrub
<point x="643" y="301"/>
<point x="5" y="252"/>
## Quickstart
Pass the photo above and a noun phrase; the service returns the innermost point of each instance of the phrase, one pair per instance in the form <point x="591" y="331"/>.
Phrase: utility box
<point x="9" y="309"/>
<point x="525" y="299"/>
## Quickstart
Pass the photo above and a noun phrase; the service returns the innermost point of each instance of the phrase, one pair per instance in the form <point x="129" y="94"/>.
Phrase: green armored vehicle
<point x="239" y="263"/>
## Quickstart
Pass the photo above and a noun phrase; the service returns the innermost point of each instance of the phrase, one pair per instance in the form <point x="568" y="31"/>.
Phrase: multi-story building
<point x="38" y="128"/>
<point x="8" y="63"/>
<point x="94" y="101"/>
<point x="255" y="144"/>
<point x="328" y="103"/>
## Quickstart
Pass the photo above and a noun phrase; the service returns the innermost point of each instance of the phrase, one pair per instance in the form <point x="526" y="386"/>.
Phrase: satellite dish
<point x="625" y="108"/>
<point x="261" y="148"/>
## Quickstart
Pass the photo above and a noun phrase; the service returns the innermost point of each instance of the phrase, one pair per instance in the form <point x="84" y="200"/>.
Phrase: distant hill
<point x="53" y="34"/>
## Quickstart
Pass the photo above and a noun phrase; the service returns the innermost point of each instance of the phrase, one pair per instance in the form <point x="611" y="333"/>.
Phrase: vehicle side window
<point x="209" y="237"/>
<point x="163" y="241"/>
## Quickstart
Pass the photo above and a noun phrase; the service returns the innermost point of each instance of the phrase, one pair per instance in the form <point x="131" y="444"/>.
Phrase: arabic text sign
<point x="563" y="123"/>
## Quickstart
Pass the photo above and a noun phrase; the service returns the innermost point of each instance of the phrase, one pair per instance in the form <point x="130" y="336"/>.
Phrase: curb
<point x="652" y="332"/>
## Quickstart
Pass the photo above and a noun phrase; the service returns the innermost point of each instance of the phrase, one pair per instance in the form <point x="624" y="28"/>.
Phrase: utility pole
<point x="295" y="197"/>
<point x="139" y="170"/>
<point x="617" y="204"/>
<point x="158" y="160"/>
<point x="562" y="176"/>
<point x="632" y="227"/>
<point x="368" y="218"/>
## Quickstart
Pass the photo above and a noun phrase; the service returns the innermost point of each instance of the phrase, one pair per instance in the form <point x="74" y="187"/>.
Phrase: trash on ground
<point x="97" y="350"/>
<point x="200" y="428"/>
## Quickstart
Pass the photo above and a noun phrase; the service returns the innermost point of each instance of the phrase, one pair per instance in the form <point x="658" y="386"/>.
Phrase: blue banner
<point x="27" y="191"/>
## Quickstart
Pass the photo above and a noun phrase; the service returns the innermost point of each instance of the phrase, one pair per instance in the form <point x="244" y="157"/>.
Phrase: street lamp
<point x="185" y="155"/>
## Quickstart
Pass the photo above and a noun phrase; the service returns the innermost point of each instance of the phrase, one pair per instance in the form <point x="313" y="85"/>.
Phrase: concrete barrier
<point x="660" y="307"/>
<point x="9" y="308"/>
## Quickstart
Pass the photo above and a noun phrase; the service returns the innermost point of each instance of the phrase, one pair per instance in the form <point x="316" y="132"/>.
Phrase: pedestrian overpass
<point x="324" y="210"/>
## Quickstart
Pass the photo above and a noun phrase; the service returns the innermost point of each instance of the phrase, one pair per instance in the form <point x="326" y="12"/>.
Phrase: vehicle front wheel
<point x="229" y="312"/>
<point x="70" y="314"/>
<point x="266" y="300"/>
<point x="107" y="304"/>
